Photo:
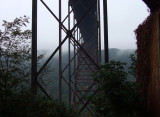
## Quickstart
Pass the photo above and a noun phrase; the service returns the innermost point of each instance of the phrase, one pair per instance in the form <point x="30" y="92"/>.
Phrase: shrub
<point x="117" y="97"/>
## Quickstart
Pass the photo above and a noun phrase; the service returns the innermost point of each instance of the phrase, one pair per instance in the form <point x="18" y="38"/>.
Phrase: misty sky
<point x="123" y="17"/>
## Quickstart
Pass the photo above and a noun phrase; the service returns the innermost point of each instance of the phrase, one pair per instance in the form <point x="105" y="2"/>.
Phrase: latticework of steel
<point x="84" y="36"/>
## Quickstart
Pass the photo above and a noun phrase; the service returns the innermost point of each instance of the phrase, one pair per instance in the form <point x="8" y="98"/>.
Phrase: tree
<point x="15" y="58"/>
<point x="15" y="55"/>
<point x="117" y="97"/>
<point x="132" y="68"/>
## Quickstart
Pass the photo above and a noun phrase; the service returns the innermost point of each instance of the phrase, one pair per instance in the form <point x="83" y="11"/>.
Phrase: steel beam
<point x="34" y="48"/>
<point x="99" y="31"/>
<point x="60" y="53"/>
<point x="105" y="31"/>
<point x="84" y="60"/>
<point x="69" y="56"/>
<point x="159" y="32"/>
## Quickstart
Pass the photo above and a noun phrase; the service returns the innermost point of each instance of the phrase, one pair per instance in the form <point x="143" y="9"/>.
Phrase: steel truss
<point x="86" y="53"/>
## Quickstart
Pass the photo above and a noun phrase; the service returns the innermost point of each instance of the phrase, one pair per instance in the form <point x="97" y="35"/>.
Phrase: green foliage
<point x="117" y="97"/>
<point x="132" y="68"/>
<point x="15" y="58"/>
<point x="27" y="105"/>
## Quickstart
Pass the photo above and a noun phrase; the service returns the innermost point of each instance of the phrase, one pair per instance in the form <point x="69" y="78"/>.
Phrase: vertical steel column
<point x="60" y="55"/>
<point x="105" y="31"/>
<point x="69" y="55"/>
<point x="159" y="33"/>
<point x="75" y="73"/>
<point x="159" y="30"/>
<point x="34" y="48"/>
<point x="99" y="23"/>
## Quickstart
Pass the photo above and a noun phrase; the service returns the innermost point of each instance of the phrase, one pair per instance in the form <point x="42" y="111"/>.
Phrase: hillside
<point x="119" y="54"/>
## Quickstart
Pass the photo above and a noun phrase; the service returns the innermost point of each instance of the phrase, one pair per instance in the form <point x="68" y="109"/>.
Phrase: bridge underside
<point x="89" y="39"/>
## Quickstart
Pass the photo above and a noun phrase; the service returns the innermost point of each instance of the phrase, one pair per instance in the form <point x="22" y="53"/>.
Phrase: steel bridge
<point x="83" y="33"/>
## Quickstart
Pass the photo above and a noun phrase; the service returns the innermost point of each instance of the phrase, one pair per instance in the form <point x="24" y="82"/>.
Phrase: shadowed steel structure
<point x="83" y="33"/>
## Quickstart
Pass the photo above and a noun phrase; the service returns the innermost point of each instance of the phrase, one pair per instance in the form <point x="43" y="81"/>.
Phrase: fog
<point x="124" y="16"/>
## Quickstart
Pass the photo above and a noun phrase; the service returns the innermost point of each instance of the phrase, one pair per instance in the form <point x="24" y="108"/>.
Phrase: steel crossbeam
<point x="85" y="60"/>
